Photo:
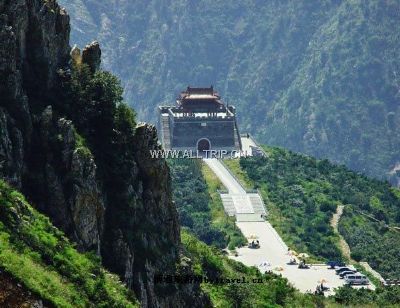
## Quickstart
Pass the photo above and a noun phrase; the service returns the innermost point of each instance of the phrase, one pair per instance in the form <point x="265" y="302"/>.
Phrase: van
<point x="356" y="279"/>
<point x="345" y="273"/>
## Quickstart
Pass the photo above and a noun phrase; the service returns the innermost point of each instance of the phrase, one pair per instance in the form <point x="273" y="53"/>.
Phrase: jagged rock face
<point x="145" y="206"/>
<point x="91" y="55"/>
<point x="69" y="181"/>
<point x="11" y="152"/>
<point x="35" y="43"/>
<point x="52" y="172"/>
<point x="133" y="226"/>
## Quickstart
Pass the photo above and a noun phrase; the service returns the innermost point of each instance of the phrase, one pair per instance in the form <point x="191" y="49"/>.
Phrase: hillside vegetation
<point x="319" y="77"/>
<point x="302" y="193"/>
<point x="267" y="290"/>
<point x="40" y="257"/>
<point x="199" y="204"/>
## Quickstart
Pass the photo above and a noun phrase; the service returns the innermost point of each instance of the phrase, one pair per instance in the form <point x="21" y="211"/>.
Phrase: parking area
<point x="273" y="255"/>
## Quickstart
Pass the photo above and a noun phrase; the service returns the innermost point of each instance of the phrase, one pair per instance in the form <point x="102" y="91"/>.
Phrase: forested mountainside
<point x="319" y="77"/>
<point x="72" y="147"/>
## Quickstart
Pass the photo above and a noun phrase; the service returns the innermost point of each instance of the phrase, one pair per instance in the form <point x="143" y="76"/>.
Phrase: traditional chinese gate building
<point x="199" y="121"/>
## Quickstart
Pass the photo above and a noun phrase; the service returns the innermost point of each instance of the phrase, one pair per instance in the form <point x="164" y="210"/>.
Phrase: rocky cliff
<point x="113" y="200"/>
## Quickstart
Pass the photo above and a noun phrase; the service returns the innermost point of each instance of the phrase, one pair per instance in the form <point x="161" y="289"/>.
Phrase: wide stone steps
<point x="250" y="203"/>
<point x="248" y="217"/>
<point x="227" y="202"/>
<point x="242" y="204"/>
<point x="257" y="203"/>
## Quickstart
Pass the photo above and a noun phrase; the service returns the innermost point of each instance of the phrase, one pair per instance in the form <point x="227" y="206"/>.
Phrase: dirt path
<point x="344" y="247"/>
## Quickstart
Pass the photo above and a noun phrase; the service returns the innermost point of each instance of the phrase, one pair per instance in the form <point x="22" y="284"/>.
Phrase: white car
<point x="356" y="279"/>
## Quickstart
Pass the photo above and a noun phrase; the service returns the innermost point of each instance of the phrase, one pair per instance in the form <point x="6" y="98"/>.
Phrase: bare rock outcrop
<point x="91" y="55"/>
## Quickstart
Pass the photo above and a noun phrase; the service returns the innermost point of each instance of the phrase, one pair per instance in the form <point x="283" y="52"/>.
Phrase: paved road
<point x="225" y="177"/>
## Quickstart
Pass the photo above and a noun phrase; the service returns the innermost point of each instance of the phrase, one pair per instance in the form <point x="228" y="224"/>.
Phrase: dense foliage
<point x="192" y="201"/>
<point x="103" y="119"/>
<point x="372" y="241"/>
<point x="302" y="193"/>
<point x="320" y="77"/>
<point x="199" y="205"/>
<point x="382" y="297"/>
<point x="40" y="256"/>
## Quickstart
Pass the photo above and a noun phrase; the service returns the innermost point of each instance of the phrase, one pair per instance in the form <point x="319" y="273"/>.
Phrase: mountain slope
<point x="37" y="254"/>
<point x="72" y="147"/>
<point x="321" y="78"/>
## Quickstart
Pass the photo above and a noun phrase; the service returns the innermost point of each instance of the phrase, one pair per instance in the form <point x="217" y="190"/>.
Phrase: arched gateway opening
<point x="203" y="145"/>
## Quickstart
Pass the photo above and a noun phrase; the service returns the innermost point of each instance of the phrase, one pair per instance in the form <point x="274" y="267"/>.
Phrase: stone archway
<point x="203" y="145"/>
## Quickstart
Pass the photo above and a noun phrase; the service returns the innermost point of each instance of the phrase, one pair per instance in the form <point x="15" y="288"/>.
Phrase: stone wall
<point x="187" y="133"/>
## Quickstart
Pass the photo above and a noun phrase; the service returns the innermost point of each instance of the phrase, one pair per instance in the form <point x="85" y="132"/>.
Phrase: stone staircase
<point x="248" y="217"/>
<point x="248" y="207"/>
<point x="242" y="204"/>
<point x="166" y="135"/>
<point x="257" y="203"/>
<point x="227" y="202"/>
<point x="245" y="205"/>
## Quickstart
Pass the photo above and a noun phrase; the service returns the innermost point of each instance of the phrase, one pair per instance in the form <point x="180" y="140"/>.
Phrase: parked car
<point x="342" y="269"/>
<point x="356" y="279"/>
<point x="345" y="273"/>
<point x="333" y="263"/>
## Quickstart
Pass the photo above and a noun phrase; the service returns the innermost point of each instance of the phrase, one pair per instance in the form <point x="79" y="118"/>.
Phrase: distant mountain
<point x="320" y="77"/>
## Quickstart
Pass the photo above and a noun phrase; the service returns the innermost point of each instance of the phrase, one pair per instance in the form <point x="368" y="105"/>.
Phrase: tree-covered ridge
<point x="303" y="192"/>
<point x="40" y="256"/>
<point x="199" y="205"/>
<point x="343" y="102"/>
<point x="320" y="77"/>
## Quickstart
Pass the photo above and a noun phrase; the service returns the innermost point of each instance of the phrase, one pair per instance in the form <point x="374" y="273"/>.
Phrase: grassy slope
<point x="282" y="217"/>
<point x="41" y="258"/>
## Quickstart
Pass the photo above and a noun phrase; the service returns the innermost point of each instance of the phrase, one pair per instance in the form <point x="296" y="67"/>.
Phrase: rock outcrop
<point x="125" y="214"/>
<point x="91" y="55"/>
